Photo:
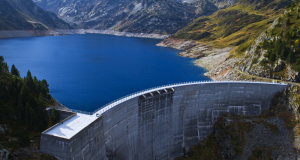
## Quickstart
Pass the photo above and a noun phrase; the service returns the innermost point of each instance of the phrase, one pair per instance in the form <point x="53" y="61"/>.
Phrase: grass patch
<point x="238" y="25"/>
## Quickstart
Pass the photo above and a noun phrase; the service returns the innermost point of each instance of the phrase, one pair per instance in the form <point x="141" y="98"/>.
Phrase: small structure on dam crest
<point x="158" y="123"/>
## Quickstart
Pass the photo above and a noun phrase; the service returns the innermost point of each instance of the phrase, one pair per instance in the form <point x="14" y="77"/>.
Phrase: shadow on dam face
<point x="156" y="124"/>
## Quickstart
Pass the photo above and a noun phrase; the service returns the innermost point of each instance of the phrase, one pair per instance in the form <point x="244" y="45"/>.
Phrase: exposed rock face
<point x="274" y="134"/>
<point x="223" y="3"/>
<point x="252" y="62"/>
<point x="147" y="16"/>
<point x="110" y="32"/>
<point x="177" y="44"/>
<point x="26" y="15"/>
<point x="215" y="60"/>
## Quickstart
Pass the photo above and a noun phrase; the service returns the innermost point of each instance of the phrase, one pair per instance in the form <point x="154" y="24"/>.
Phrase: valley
<point x="142" y="16"/>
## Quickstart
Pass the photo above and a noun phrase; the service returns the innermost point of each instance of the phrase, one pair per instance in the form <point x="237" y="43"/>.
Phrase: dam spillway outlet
<point x="155" y="124"/>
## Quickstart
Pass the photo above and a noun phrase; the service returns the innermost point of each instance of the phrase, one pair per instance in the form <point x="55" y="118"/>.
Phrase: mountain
<point x="26" y="15"/>
<point x="238" y="25"/>
<point x="147" y="16"/>
<point x="256" y="40"/>
<point x="276" y="53"/>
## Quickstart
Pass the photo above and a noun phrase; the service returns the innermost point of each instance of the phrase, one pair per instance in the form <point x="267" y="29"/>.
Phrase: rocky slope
<point x="229" y="43"/>
<point x="26" y="15"/>
<point x="215" y="60"/>
<point x="280" y="61"/>
<point x="238" y="25"/>
<point x="271" y="135"/>
<point x="147" y="16"/>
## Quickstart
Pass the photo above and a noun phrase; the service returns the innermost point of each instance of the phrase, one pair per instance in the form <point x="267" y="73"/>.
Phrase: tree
<point x="14" y="71"/>
<point x="29" y="81"/>
<point x="3" y="91"/>
<point x="24" y="93"/>
<point x="283" y="53"/>
<point x="288" y="21"/>
<point x="273" y="57"/>
<point x="20" y="109"/>
<point x="44" y="87"/>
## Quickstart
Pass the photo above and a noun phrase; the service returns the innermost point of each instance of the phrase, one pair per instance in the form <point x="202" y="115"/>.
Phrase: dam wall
<point x="159" y="124"/>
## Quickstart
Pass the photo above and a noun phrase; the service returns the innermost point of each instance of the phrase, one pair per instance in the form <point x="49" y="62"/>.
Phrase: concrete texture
<point x="161" y="123"/>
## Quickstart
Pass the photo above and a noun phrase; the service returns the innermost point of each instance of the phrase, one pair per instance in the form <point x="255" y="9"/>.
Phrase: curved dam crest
<point x="155" y="124"/>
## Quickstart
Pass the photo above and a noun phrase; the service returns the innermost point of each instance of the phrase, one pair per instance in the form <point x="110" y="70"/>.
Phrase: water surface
<point x="87" y="71"/>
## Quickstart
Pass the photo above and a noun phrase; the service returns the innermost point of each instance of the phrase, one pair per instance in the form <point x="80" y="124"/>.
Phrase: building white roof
<point x="72" y="126"/>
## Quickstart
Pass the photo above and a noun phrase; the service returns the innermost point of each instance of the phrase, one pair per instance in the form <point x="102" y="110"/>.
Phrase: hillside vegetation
<point x="285" y="43"/>
<point x="238" y="25"/>
<point x="23" y="114"/>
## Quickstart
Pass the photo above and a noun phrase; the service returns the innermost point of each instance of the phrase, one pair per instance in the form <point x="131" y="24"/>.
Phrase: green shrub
<point x="255" y="60"/>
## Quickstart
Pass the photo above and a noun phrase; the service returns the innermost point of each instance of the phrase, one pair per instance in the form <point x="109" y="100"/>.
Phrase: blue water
<point x="87" y="71"/>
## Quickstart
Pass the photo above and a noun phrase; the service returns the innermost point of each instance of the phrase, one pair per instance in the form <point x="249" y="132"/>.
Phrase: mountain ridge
<point x="26" y="15"/>
<point x="146" y="16"/>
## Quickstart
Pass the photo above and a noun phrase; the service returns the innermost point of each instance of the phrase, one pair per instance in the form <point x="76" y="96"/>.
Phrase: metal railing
<point x="108" y="106"/>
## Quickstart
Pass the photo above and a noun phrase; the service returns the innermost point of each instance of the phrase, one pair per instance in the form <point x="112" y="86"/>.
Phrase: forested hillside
<point x="23" y="114"/>
<point x="285" y="43"/>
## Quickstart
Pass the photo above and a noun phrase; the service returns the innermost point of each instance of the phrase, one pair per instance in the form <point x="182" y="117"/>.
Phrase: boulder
<point x="279" y="66"/>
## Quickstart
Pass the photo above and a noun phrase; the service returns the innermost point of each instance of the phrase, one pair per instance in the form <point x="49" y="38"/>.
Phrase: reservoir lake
<point x="85" y="72"/>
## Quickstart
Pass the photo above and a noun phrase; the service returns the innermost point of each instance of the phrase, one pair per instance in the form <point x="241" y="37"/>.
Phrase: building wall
<point x="161" y="125"/>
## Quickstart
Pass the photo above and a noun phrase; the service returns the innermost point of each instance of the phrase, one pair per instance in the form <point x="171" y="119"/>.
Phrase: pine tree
<point x="41" y="101"/>
<point x="14" y="71"/>
<point x="288" y="21"/>
<point x="24" y="93"/>
<point x="282" y="53"/>
<point x="29" y="82"/>
<point x="44" y="88"/>
<point x="27" y="114"/>
<point x="31" y="116"/>
<point x="20" y="109"/>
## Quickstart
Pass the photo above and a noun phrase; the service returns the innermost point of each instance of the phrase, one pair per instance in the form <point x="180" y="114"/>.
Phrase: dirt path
<point x="262" y="78"/>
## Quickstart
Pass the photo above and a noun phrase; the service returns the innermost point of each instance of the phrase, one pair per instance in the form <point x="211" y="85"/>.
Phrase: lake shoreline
<point x="60" y="32"/>
<point x="215" y="60"/>
<point x="80" y="68"/>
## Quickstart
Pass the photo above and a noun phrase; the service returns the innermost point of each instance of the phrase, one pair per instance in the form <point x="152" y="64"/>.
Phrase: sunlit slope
<point x="237" y="25"/>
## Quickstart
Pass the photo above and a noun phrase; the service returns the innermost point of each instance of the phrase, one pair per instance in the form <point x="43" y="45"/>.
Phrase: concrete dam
<point x="158" y="123"/>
